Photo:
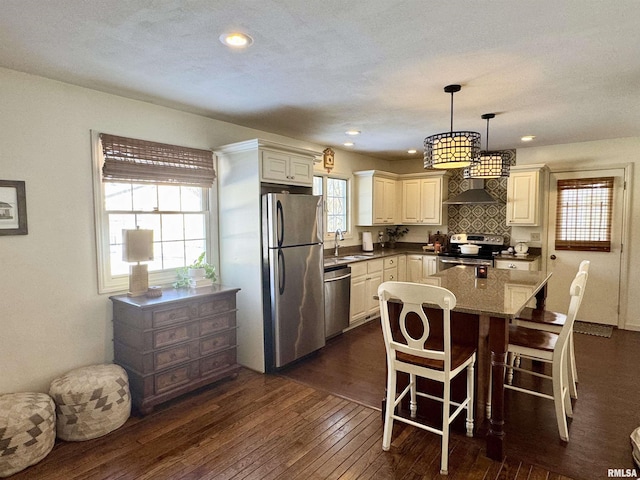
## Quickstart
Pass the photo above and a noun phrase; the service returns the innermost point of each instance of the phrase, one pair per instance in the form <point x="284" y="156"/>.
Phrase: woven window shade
<point x="583" y="214"/>
<point x="139" y="161"/>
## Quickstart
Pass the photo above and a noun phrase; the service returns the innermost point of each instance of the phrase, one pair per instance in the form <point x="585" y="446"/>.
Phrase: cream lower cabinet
<point x="516" y="294"/>
<point x="365" y="279"/>
<point x="420" y="266"/>
<point x="390" y="271"/>
<point x="518" y="264"/>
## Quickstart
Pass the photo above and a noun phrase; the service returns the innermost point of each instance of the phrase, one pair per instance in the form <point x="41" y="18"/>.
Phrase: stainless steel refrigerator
<point x="292" y="276"/>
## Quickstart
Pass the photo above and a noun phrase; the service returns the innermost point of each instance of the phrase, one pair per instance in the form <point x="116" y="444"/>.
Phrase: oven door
<point x="448" y="262"/>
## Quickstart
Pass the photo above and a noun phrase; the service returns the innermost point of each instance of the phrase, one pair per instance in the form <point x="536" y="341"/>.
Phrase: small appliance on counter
<point x="521" y="249"/>
<point x="367" y="242"/>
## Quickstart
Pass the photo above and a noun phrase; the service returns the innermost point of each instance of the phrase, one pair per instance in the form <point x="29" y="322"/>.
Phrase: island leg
<point x="498" y="342"/>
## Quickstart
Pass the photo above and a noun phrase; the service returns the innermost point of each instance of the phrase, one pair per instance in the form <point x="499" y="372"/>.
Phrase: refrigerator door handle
<point x="279" y="223"/>
<point x="281" y="272"/>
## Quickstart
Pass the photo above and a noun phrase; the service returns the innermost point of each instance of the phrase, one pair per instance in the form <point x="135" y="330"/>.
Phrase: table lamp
<point x="137" y="247"/>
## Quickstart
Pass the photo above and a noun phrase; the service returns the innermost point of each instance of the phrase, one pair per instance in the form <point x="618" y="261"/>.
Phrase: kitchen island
<point x="484" y="308"/>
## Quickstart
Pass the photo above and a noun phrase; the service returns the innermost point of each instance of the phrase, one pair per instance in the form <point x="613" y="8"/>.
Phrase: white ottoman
<point x="27" y="430"/>
<point x="91" y="401"/>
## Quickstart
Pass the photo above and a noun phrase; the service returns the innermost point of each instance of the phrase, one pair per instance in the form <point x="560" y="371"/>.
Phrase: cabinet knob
<point x="553" y="257"/>
<point x="512" y="265"/>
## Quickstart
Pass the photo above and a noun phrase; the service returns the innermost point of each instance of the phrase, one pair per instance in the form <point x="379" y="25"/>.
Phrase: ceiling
<point x="565" y="71"/>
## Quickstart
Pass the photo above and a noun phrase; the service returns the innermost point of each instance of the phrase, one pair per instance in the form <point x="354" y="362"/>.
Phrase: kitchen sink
<point x="354" y="257"/>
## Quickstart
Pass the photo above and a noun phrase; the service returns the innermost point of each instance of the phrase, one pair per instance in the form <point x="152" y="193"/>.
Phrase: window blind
<point x="140" y="161"/>
<point x="583" y="214"/>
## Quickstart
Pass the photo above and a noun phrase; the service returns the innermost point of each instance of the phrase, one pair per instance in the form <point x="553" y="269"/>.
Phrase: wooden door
<point x="602" y="294"/>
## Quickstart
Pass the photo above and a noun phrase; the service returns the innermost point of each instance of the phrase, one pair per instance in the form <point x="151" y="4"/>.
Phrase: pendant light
<point x="451" y="149"/>
<point x="492" y="164"/>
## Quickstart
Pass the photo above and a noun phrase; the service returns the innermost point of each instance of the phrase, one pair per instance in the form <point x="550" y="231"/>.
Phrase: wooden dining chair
<point x="551" y="321"/>
<point x="548" y="347"/>
<point x="425" y="357"/>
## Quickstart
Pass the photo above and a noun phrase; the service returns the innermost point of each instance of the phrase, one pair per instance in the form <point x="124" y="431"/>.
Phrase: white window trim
<point x="350" y="233"/>
<point x="108" y="283"/>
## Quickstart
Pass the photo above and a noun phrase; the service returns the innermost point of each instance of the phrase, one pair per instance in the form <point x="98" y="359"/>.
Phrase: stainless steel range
<point x="488" y="246"/>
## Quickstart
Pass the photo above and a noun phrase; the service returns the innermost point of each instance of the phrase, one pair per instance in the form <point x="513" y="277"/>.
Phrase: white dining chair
<point x="424" y="356"/>
<point x="550" y="321"/>
<point x="548" y="347"/>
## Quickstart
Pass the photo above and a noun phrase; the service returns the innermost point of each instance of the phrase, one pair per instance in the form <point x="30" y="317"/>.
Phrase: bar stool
<point x="538" y="345"/>
<point x="551" y="321"/>
<point x="422" y="357"/>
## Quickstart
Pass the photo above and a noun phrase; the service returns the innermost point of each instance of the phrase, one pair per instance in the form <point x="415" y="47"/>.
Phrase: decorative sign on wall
<point x="13" y="208"/>
<point x="328" y="159"/>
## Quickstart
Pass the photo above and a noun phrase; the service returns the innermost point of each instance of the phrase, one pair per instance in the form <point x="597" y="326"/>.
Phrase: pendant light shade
<point x="492" y="164"/>
<point x="451" y="149"/>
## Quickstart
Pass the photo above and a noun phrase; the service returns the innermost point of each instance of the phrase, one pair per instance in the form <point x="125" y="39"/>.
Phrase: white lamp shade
<point x="137" y="245"/>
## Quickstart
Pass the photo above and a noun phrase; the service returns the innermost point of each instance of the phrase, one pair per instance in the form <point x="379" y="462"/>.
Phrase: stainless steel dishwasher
<point x="337" y="294"/>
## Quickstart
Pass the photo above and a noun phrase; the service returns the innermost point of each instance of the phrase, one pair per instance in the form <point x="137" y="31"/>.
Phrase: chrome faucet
<point x="339" y="237"/>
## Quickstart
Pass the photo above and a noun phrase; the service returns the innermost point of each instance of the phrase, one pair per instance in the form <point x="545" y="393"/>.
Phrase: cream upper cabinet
<point x="281" y="167"/>
<point x="524" y="195"/>
<point x="377" y="198"/>
<point x="422" y="199"/>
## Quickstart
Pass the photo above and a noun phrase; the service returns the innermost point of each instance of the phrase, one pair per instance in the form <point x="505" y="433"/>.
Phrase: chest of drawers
<point x="175" y="343"/>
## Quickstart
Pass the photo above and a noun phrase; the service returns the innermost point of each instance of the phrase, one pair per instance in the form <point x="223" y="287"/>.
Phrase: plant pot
<point x="196" y="272"/>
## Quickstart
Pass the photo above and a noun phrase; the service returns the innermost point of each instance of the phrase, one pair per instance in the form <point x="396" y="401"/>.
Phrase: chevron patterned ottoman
<point x="91" y="401"/>
<point x="27" y="430"/>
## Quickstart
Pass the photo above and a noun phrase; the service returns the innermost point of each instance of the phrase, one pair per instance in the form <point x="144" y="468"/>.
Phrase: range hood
<point x="475" y="195"/>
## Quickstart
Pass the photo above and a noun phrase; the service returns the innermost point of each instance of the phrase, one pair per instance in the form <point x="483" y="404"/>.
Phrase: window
<point x="584" y="214"/>
<point x="153" y="186"/>
<point x="336" y="202"/>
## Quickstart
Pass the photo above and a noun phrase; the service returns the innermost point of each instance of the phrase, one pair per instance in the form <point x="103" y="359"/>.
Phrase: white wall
<point x="51" y="317"/>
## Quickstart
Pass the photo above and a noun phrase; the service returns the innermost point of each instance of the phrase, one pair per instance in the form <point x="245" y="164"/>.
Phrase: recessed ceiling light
<point x="528" y="138"/>
<point x="236" y="39"/>
<point x="348" y="144"/>
<point x="352" y="132"/>
<point x="412" y="151"/>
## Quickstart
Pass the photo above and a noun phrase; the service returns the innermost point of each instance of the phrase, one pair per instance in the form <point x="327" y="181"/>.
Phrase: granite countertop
<point x="488" y="296"/>
<point x="352" y="255"/>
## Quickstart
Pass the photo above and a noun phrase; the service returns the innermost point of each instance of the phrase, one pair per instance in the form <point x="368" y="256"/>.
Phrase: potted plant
<point x="197" y="270"/>
<point x="395" y="233"/>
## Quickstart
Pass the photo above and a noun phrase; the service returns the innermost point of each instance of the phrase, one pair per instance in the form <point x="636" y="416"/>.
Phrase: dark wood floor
<point x="606" y="412"/>
<point x="273" y="427"/>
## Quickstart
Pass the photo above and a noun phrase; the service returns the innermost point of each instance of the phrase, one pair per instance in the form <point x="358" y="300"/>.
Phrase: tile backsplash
<point x="479" y="218"/>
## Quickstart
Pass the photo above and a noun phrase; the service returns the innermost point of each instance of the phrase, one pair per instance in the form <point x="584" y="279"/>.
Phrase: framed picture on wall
<point x="13" y="208"/>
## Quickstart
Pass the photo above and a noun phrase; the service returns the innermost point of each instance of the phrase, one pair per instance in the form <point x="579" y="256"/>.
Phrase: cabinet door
<point x="390" y="275"/>
<point x="402" y="268"/>
<point x="428" y="265"/>
<point x="411" y="201"/>
<point x="378" y="200"/>
<point x="515" y="295"/>
<point x="522" y="198"/>
<point x="431" y="201"/>
<point x="275" y="166"/>
<point x="301" y="170"/>
<point x="374" y="281"/>
<point x="358" y="304"/>
<point x="389" y="207"/>
<point x="414" y="268"/>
